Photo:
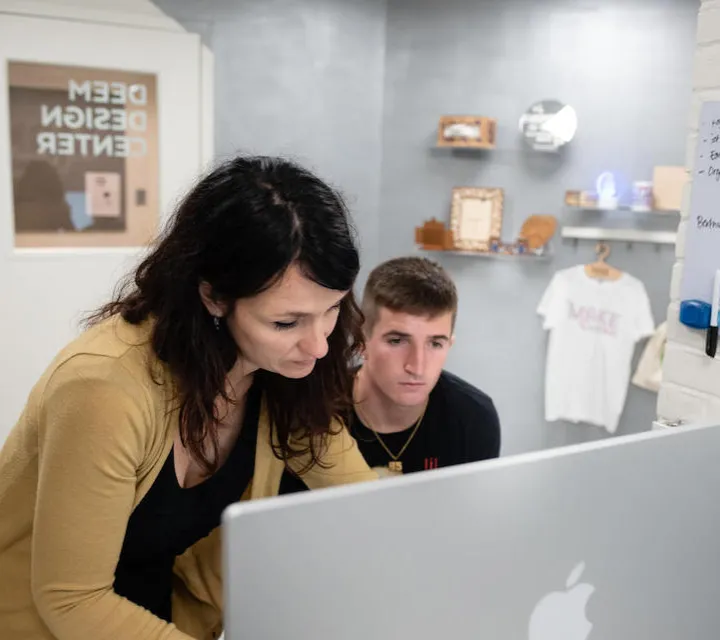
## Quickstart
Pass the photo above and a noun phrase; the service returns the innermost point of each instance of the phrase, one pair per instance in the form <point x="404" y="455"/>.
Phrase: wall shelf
<point x="462" y="147"/>
<point x="622" y="235"/>
<point x="519" y="257"/>
<point x="626" y="209"/>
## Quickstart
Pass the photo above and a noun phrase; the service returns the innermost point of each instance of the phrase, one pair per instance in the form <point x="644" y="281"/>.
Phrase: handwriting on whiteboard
<point x="702" y="238"/>
<point x="710" y="152"/>
<point x="707" y="223"/>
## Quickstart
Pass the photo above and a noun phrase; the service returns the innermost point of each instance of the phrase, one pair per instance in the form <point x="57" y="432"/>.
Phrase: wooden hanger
<point x="601" y="270"/>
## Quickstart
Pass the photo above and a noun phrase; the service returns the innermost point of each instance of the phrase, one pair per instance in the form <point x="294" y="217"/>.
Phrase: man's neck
<point x="378" y="412"/>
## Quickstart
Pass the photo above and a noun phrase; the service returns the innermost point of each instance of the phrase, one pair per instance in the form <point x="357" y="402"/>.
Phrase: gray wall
<point x="304" y="79"/>
<point x="355" y="88"/>
<point x="625" y="65"/>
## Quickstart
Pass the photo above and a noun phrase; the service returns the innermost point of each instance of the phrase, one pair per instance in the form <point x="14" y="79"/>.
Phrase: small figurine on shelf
<point x="518" y="248"/>
<point x="434" y="236"/>
<point x="572" y="198"/>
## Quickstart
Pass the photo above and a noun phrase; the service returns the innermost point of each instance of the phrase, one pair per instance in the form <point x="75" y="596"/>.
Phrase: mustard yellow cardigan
<point x="93" y="437"/>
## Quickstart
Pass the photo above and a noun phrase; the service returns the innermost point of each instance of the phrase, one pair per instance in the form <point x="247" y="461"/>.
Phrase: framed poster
<point x="476" y="217"/>
<point x="84" y="147"/>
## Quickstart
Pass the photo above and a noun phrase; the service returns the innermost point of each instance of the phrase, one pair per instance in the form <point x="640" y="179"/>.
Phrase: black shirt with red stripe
<point x="460" y="425"/>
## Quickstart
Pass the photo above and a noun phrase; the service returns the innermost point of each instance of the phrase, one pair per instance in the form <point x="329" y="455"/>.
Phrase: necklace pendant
<point x="395" y="466"/>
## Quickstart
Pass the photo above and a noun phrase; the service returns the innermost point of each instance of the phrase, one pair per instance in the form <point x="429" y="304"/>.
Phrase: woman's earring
<point x="216" y="322"/>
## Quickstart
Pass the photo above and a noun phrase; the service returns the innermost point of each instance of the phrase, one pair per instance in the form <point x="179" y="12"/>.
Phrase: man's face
<point x="405" y="354"/>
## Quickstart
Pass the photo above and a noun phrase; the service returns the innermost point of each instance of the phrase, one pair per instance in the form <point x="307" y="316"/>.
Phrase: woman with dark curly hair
<point x="221" y="363"/>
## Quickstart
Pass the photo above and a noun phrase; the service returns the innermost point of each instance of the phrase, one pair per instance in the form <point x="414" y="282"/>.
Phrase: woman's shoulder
<point x="111" y="353"/>
<point x="113" y="337"/>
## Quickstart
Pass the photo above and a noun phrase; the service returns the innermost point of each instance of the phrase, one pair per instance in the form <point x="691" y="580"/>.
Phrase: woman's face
<point x="284" y="329"/>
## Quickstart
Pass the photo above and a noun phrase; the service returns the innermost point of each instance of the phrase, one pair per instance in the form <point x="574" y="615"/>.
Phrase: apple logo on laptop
<point x="560" y="615"/>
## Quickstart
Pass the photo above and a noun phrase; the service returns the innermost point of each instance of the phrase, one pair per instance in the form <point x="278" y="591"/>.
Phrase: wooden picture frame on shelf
<point x="476" y="217"/>
<point x="466" y="132"/>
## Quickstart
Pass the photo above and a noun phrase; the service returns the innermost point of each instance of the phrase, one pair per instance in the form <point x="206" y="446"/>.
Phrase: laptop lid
<point x="618" y="539"/>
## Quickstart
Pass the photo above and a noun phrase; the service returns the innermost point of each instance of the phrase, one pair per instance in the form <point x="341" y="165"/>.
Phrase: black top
<point x="170" y="519"/>
<point x="460" y="425"/>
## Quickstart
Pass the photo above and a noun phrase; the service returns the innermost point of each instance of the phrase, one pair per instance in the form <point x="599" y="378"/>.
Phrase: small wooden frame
<point x="476" y="217"/>
<point x="466" y="132"/>
<point x="434" y="236"/>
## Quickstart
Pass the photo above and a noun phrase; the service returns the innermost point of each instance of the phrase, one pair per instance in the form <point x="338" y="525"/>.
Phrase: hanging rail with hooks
<point x="622" y="235"/>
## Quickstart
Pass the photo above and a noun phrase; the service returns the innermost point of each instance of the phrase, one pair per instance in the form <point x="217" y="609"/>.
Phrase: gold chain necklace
<point x="395" y="466"/>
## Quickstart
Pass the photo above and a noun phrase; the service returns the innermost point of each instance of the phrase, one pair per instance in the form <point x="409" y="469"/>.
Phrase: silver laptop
<point x="615" y="540"/>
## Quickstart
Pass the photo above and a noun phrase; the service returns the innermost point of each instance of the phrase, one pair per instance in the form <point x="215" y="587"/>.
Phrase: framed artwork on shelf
<point x="476" y="217"/>
<point x="467" y="132"/>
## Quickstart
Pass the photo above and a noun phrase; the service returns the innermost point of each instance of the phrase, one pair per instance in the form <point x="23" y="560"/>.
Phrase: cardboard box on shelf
<point x="668" y="185"/>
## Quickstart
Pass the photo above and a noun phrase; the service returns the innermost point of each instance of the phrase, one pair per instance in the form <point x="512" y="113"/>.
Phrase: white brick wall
<point x="691" y="381"/>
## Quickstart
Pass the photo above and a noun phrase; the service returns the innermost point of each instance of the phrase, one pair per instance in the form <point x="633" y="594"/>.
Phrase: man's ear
<point x="452" y="339"/>
<point x="367" y="333"/>
<point x="215" y="308"/>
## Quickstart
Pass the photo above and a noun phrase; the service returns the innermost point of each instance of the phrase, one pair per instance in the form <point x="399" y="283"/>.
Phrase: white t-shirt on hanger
<point x="594" y="326"/>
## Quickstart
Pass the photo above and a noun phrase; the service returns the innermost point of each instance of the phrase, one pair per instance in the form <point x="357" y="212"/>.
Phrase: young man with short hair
<point x="411" y="415"/>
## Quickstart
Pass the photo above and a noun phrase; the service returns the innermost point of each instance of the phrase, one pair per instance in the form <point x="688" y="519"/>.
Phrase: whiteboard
<point x="702" y="242"/>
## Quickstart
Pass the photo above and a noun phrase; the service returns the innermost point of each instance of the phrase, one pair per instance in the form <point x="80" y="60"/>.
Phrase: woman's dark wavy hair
<point x="239" y="229"/>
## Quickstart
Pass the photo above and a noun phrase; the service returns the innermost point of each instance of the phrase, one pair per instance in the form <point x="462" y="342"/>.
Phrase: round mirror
<point x="548" y="125"/>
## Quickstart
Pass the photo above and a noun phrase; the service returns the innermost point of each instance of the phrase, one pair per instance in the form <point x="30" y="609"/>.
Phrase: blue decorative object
<point x="607" y="193"/>
<point x="695" y="314"/>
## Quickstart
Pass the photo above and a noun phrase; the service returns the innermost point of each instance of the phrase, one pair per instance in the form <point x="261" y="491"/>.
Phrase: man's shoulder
<point x="471" y="413"/>
<point x="460" y="393"/>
